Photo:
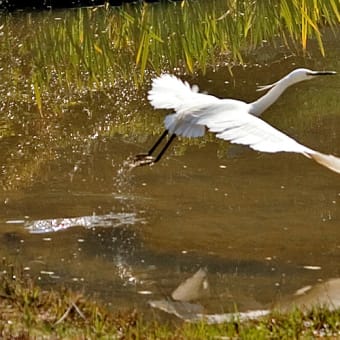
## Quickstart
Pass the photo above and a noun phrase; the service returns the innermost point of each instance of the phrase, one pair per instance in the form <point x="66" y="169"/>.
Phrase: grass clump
<point x="28" y="311"/>
<point x="93" y="47"/>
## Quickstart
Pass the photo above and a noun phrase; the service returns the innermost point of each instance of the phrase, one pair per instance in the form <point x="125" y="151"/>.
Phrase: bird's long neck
<point x="260" y="105"/>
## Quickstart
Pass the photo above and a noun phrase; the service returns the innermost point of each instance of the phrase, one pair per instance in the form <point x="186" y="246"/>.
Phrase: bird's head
<point x="301" y="74"/>
<point x="297" y="75"/>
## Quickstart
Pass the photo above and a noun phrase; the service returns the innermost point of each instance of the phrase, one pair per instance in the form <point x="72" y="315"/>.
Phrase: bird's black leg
<point x="143" y="156"/>
<point x="163" y="135"/>
<point x="146" y="158"/>
<point x="159" y="156"/>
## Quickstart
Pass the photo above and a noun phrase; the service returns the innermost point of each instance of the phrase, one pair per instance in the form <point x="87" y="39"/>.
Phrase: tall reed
<point x="93" y="46"/>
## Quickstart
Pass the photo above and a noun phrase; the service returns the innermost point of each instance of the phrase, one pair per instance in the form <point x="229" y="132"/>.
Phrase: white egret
<point x="230" y="119"/>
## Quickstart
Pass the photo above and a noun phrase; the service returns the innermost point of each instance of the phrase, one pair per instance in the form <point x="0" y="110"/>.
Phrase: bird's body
<point x="230" y="119"/>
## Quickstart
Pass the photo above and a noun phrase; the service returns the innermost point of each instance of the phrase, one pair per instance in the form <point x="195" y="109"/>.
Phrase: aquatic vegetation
<point x="92" y="47"/>
<point x="58" y="56"/>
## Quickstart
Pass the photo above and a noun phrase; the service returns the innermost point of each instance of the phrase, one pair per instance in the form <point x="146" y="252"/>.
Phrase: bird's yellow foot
<point x="142" y="159"/>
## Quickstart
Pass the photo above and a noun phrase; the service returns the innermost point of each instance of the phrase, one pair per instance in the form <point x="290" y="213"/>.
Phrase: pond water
<point x="262" y="225"/>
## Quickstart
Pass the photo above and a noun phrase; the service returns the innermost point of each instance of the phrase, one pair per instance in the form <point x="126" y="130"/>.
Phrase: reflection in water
<point x="194" y="289"/>
<point x="57" y="224"/>
<point x="325" y="294"/>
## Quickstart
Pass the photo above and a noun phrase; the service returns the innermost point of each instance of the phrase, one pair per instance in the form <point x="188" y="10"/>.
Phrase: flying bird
<point x="230" y="119"/>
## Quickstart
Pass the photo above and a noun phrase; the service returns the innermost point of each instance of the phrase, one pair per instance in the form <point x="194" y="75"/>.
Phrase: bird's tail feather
<point x="329" y="161"/>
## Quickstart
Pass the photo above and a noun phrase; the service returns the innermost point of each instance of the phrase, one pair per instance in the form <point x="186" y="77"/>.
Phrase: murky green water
<point x="258" y="222"/>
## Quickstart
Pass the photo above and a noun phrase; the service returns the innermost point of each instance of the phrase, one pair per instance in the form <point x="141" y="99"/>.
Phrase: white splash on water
<point x="58" y="224"/>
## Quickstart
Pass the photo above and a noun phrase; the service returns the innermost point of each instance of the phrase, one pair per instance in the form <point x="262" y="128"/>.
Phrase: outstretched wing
<point x="236" y="125"/>
<point x="170" y="92"/>
<point x="229" y="119"/>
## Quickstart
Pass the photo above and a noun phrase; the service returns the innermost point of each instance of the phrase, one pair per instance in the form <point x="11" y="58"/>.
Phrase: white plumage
<point x="231" y="120"/>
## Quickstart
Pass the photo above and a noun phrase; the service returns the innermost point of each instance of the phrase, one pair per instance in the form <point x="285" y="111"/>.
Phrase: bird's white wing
<point x="240" y="127"/>
<point x="170" y="92"/>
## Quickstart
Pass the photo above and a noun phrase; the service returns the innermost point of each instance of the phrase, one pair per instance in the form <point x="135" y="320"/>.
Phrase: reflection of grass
<point x="27" y="311"/>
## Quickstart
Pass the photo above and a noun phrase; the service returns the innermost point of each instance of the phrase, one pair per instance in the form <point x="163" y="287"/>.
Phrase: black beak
<point x="322" y="73"/>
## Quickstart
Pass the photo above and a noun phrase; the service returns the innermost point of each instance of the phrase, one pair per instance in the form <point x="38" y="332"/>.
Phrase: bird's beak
<point x="322" y="73"/>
